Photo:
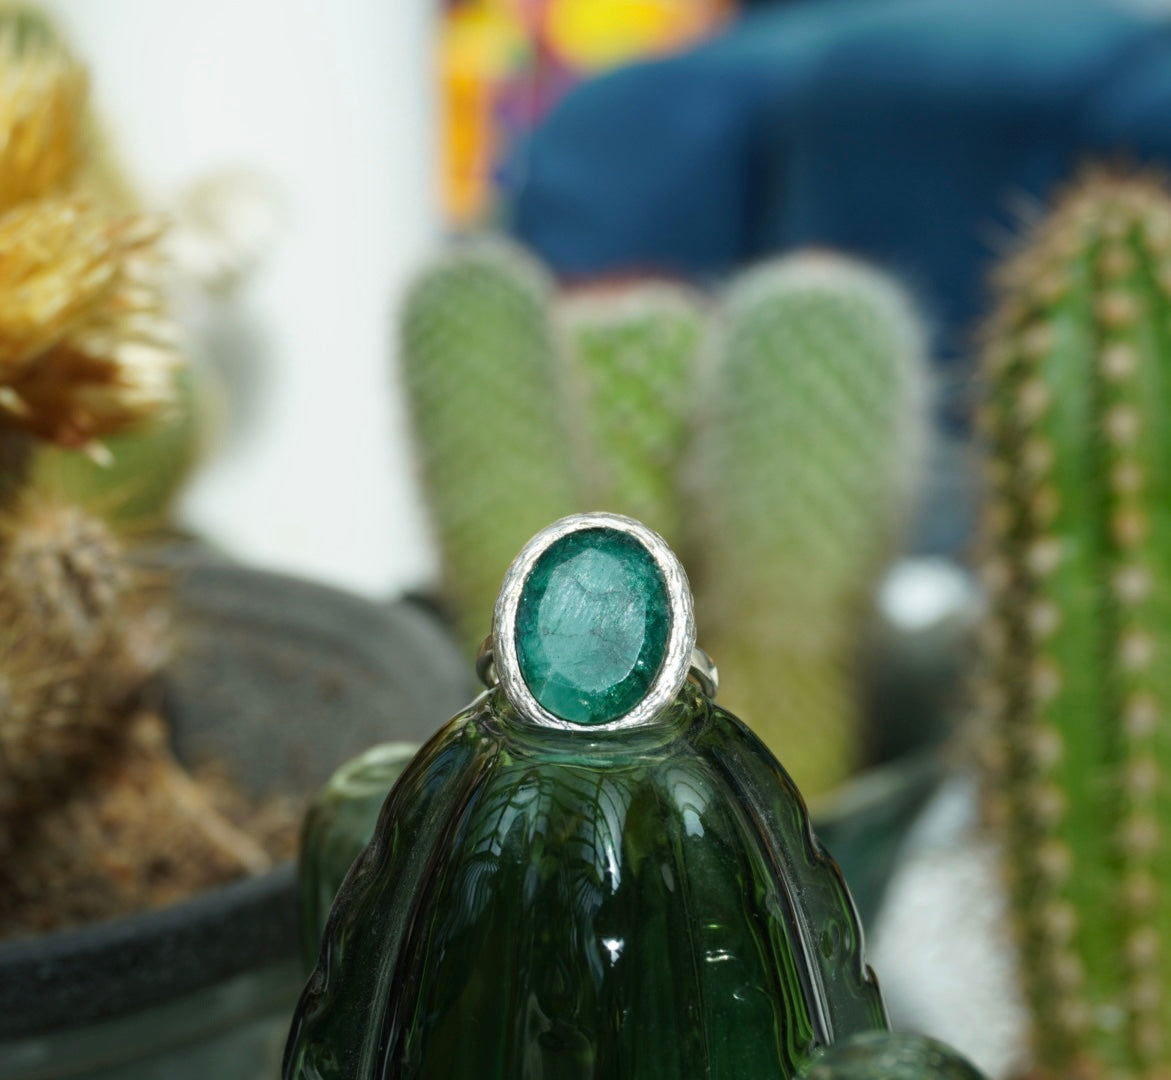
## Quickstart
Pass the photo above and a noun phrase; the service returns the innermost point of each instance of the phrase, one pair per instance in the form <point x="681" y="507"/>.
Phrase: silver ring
<point x="499" y="662"/>
<point x="702" y="670"/>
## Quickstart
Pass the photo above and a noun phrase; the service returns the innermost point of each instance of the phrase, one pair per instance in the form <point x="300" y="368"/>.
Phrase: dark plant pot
<point x="283" y="680"/>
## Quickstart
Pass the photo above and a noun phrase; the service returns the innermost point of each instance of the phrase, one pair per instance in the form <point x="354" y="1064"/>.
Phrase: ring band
<point x="702" y="669"/>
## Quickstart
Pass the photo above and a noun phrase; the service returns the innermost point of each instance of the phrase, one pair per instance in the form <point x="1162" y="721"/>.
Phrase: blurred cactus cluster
<point x="772" y="434"/>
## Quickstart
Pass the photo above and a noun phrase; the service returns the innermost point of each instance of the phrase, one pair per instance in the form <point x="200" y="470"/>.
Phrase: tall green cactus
<point x="634" y="351"/>
<point x="490" y="415"/>
<point x="815" y="425"/>
<point x="1077" y="644"/>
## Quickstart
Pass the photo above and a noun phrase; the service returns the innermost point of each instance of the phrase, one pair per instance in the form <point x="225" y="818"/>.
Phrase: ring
<point x="702" y="669"/>
<point x="594" y="627"/>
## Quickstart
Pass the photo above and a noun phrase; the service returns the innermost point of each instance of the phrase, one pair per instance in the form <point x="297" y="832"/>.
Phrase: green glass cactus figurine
<point x="490" y="415"/>
<point x="338" y="825"/>
<point x="593" y="871"/>
<point x="1077" y="684"/>
<point x="634" y="352"/>
<point x="888" y="1055"/>
<point x="813" y="437"/>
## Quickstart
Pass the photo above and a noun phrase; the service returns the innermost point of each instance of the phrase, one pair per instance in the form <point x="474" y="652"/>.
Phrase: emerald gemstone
<point x="592" y="626"/>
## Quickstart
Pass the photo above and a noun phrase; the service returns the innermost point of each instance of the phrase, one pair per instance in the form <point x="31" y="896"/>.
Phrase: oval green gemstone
<point x="592" y="626"/>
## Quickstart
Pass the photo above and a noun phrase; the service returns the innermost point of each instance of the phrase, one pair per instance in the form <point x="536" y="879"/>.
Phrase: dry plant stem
<point x="225" y="838"/>
<point x="81" y="633"/>
<point x="1077" y="645"/>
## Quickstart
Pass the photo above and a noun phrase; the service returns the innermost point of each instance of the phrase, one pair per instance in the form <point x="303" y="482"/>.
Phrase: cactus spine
<point x="490" y="416"/>
<point x="814" y="437"/>
<point x="1078" y="638"/>
<point x="634" y="352"/>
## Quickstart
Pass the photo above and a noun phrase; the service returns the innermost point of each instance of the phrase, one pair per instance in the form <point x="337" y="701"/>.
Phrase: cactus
<point x="634" y="352"/>
<point x="89" y="791"/>
<point x="141" y="473"/>
<point x="814" y="431"/>
<point x="645" y="904"/>
<point x="96" y="817"/>
<point x="490" y="415"/>
<point x="813" y="414"/>
<point x="1077" y="683"/>
<point x="42" y="109"/>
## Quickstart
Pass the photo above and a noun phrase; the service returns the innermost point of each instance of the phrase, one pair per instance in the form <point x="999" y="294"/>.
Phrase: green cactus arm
<point x="363" y="936"/>
<point x="488" y="406"/>
<point x="634" y="352"/>
<point x="815" y="422"/>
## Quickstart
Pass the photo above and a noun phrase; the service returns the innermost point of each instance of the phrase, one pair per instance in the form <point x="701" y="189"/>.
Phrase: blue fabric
<point x="904" y="131"/>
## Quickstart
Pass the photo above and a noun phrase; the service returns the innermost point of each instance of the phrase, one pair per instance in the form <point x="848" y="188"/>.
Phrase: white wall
<point x="335" y="99"/>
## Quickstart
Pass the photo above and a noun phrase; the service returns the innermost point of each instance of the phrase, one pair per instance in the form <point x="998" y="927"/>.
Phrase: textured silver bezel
<point x="680" y="639"/>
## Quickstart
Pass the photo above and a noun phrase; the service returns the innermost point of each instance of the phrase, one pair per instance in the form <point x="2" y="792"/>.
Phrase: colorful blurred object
<point x="904" y="132"/>
<point x="505" y="63"/>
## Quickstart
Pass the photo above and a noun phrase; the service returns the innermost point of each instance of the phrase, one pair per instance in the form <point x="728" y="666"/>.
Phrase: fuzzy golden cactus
<point x="43" y="117"/>
<point x="97" y="818"/>
<point x="86" y="350"/>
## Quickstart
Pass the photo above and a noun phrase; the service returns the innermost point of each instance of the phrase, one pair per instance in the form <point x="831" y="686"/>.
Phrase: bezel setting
<point x="681" y="637"/>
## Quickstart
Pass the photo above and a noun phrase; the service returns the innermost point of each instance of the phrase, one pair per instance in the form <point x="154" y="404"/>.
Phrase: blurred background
<point x="337" y="107"/>
<point x="864" y="304"/>
<point x="379" y="127"/>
